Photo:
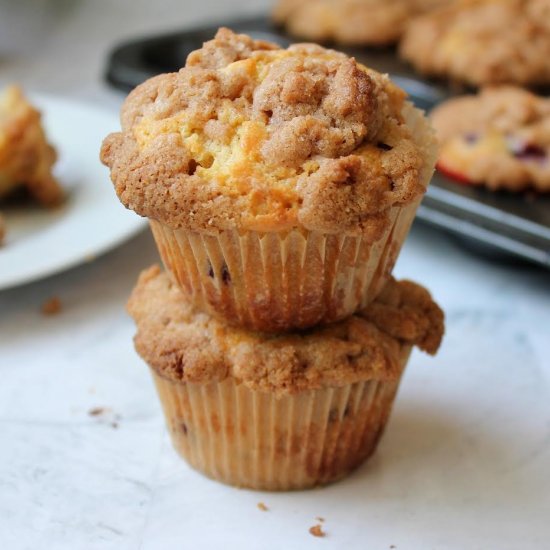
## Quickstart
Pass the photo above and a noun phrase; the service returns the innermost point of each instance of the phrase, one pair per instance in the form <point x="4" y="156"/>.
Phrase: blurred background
<point x="60" y="46"/>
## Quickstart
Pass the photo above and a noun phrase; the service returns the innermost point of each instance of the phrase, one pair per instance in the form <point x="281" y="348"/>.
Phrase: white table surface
<point x="464" y="464"/>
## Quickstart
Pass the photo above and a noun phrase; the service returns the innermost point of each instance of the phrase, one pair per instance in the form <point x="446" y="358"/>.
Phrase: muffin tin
<point x="498" y="224"/>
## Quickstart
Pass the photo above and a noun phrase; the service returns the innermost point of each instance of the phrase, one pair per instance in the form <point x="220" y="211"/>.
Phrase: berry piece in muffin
<point x="374" y="22"/>
<point x="499" y="138"/>
<point x="483" y="42"/>
<point x="26" y="157"/>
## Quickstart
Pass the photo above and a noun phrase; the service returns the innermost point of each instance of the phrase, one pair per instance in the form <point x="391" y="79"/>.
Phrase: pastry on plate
<point x="279" y="412"/>
<point x="280" y="184"/>
<point x="499" y="138"/>
<point x="483" y="42"/>
<point x="26" y="157"/>
<point x="367" y="22"/>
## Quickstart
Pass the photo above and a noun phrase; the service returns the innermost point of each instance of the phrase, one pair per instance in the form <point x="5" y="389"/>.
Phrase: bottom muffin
<point x="279" y="412"/>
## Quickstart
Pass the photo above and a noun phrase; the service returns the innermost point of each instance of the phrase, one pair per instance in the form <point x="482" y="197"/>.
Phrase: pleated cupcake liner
<point x="261" y="441"/>
<point x="281" y="281"/>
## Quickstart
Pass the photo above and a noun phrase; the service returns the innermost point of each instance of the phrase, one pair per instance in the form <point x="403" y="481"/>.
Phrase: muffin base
<point x="281" y="281"/>
<point x="261" y="441"/>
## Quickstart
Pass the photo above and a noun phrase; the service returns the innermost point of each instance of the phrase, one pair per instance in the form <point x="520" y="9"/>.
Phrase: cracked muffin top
<point x="483" y="42"/>
<point x="183" y="344"/>
<point x="499" y="137"/>
<point x="376" y="22"/>
<point x="251" y="136"/>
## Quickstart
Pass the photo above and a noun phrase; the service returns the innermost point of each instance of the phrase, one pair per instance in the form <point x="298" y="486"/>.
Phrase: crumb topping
<point x="185" y="345"/>
<point x="483" y="42"/>
<point x="261" y="138"/>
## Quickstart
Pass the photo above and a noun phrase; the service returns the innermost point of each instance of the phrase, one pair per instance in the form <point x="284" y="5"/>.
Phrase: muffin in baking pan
<point x="499" y="138"/>
<point x="358" y="22"/>
<point x="482" y="42"/>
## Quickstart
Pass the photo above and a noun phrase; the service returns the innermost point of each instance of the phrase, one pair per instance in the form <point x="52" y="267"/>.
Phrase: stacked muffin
<point x="280" y="186"/>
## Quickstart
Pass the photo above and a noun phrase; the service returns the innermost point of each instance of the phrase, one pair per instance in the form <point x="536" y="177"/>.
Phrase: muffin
<point x="280" y="184"/>
<point x="278" y="412"/>
<point x="483" y="42"/>
<point x="359" y="22"/>
<point x="26" y="157"/>
<point x="499" y="138"/>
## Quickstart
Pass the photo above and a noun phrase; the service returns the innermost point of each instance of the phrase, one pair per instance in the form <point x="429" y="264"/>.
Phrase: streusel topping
<point x="252" y="136"/>
<point x="185" y="345"/>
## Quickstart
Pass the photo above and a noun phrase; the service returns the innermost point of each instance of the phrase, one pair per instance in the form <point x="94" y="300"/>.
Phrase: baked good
<point x="2" y="229"/>
<point x="483" y="42"/>
<point x="284" y="411"/>
<point x="499" y="138"/>
<point x="280" y="184"/>
<point x="370" y="22"/>
<point x="26" y="157"/>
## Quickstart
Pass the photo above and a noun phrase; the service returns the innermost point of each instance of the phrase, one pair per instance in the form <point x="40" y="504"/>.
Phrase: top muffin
<point x="251" y="136"/>
<point x="483" y="42"/>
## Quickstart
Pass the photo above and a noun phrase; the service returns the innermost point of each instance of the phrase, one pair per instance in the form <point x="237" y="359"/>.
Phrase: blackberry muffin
<point x="278" y="412"/>
<point x="280" y="184"/>
<point x="359" y="22"/>
<point x="499" y="138"/>
<point x="482" y="42"/>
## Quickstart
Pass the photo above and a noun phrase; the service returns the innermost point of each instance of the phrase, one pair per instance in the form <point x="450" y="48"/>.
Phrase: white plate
<point x="42" y="242"/>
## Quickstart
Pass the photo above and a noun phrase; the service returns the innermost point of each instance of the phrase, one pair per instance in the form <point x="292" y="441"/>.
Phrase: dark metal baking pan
<point x="517" y="225"/>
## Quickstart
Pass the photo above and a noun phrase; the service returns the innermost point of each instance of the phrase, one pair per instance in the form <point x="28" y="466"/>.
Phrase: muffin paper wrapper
<point x="261" y="441"/>
<point x="280" y="281"/>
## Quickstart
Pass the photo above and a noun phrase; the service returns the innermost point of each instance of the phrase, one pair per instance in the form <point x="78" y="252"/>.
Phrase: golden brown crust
<point x="26" y="158"/>
<point x="250" y="136"/>
<point x="483" y="42"/>
<point x="182" y="344"/>
<point x="499" y="138"/>
<point x="375" y="22"/>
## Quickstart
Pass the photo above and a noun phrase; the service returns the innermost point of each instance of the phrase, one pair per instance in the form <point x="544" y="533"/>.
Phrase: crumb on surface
<point x="97" y="411"/>
<point x="52" y="306"/>
<point x="317" y="531"/>
<point x="262" y="507"/>
<point x="320" y="519"/>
